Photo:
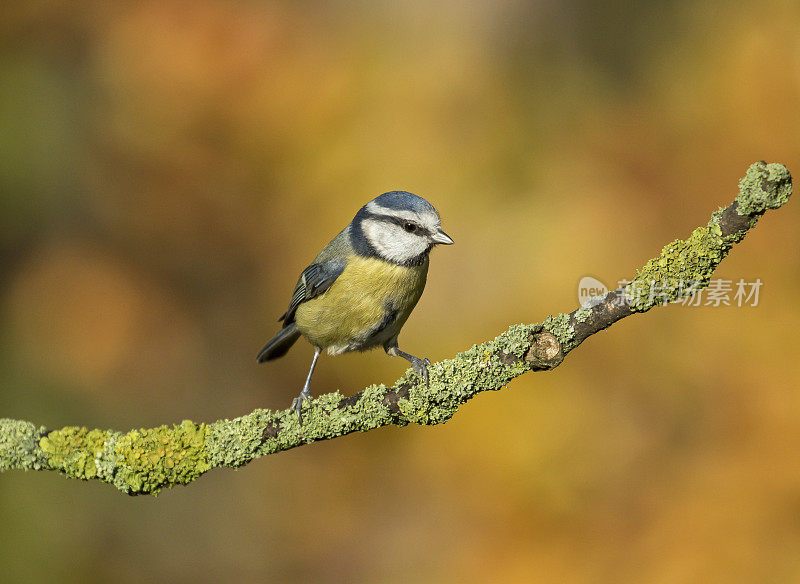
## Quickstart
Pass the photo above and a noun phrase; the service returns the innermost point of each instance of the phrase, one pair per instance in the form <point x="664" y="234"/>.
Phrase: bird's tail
<point x="278" y="345"/>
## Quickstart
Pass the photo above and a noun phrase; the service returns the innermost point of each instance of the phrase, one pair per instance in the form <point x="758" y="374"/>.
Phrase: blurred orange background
<point x="168" y="168"/>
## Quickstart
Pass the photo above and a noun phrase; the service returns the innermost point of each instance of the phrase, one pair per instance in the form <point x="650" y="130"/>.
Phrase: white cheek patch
<point x="392" y="242"/>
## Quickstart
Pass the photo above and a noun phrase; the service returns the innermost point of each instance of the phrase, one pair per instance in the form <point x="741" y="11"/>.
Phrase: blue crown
<point x="404" y="201"/>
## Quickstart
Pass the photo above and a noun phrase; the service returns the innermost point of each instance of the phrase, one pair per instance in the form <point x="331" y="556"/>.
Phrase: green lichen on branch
<point x="148" y="460"/>
<point x="19" y="445"/>
<point x="682" y="265"/>
<point x="73" y="450"/>
<point x="454" y="381"/>
<point x="560" y="326"/>
<point x="765" y="186"/>
<point x="141" y="461"/>
<point x="686" y="265"/>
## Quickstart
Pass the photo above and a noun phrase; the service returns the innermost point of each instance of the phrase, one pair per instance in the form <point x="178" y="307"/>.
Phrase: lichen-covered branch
<point x="147" y="460"/>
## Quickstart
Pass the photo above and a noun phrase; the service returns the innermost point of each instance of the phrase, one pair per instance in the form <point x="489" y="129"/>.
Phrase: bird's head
<point x="399" y="227"/>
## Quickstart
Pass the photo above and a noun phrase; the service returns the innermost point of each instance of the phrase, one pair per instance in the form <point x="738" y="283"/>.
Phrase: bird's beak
<point x="441" y="237"/>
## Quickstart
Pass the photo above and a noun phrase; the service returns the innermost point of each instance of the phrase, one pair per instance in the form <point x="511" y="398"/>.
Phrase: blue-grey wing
<point x="314" y="280"/>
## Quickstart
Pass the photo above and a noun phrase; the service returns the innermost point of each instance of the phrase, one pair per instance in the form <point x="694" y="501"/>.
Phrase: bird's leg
<point x="420" y="366"/>
<point x="297" y="403"/>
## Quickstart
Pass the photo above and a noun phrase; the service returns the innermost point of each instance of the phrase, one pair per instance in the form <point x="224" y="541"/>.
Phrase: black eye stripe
<point x="417" y="229"/>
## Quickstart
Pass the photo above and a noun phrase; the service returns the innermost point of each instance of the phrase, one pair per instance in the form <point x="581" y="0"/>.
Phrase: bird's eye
<point x="410" y="227"/>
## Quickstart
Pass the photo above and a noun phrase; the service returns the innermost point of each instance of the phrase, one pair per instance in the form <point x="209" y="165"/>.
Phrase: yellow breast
<point x="356" y="311"/>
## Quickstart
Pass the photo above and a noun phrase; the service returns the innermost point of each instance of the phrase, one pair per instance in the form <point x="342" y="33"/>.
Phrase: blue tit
<point x="359" y="291"/>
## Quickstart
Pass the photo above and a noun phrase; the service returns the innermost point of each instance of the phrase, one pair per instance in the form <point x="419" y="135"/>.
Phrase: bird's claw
<point x="297" y="405"/>
<point x="420" y="367"/>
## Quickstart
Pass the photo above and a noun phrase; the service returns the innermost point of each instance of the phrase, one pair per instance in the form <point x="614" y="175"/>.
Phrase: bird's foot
<point x="297" y="404"/>
<point x="420" y="367"/>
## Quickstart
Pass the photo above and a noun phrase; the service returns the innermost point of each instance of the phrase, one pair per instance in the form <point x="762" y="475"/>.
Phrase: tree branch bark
<point x="147" y="460"/>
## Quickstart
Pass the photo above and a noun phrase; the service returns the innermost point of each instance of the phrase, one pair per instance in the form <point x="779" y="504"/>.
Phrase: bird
<point x="359" y="291"/>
